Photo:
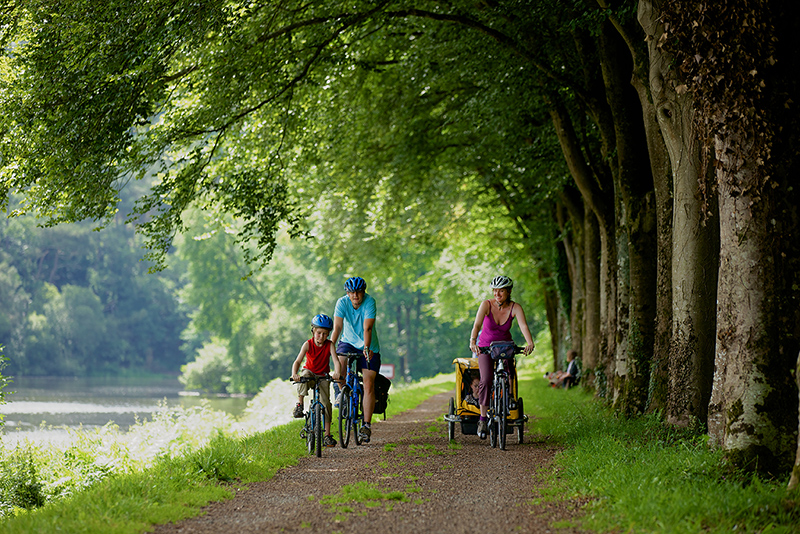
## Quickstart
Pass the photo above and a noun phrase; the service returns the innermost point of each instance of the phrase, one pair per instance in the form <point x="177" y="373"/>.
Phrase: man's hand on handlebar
<point x="368" y="353"/>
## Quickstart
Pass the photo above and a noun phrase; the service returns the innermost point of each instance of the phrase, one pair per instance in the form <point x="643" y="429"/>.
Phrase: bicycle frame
<point x="500" y="403"/>
<point x="315" y="417"/>
<point x="351" y="418"/>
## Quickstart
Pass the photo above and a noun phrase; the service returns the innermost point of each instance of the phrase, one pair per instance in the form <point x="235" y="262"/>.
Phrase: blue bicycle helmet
<point x="322" y="321"/>
<point x="355" y="283"/>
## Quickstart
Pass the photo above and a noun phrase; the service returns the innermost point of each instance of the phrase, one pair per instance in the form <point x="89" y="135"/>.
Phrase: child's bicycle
<point x="352" y="396"/>
<point x="315" y="417"/>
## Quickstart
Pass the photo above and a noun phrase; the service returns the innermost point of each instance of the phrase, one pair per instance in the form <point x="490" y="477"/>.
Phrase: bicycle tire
<point x="344" y="418"/>
<point x="309" y="432"/>
<point x="502" y="418"/>
<point x="451" y="425"/>
<point x="318" y="428"/>
<point x="493" y="413"/>
<point x="356" y="418"/>
<point x="521" y="422"/>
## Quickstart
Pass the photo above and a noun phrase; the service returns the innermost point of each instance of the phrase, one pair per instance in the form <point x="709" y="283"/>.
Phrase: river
<point x="42" y="407"/>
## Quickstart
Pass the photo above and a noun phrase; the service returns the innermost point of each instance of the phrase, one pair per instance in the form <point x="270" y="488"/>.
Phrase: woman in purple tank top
<point x="493" y="320"/>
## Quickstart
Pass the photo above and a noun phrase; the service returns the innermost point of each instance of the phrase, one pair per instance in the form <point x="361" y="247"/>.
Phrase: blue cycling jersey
<point x="353" y="331"/>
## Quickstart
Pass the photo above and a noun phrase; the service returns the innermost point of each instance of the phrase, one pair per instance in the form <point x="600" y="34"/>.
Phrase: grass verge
<point x="645" y="476"/>
<point x="174" y="488"/>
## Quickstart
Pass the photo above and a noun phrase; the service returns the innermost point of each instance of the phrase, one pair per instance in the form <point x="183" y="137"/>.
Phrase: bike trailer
<point x="464" y="408"/>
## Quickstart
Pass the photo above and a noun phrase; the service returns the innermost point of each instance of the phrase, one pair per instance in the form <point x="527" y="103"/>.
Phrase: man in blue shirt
<point x="354" y="330"/>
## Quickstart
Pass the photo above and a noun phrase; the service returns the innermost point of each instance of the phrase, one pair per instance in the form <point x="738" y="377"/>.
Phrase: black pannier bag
<point x="382" y="385"/>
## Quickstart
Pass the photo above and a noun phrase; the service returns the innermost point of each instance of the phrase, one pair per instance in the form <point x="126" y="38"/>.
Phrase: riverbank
<point x="637" y="476"/>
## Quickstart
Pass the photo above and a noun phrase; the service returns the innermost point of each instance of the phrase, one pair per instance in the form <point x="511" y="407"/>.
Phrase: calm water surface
<point x="41" y="402"/>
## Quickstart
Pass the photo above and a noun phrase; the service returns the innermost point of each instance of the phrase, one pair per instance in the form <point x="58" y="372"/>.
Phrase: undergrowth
<point x="642" y="475"/>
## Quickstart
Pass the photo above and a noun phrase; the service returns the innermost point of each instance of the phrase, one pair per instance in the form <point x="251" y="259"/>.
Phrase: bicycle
<point x="315" y="417"/>
<point x="351" y="417"/>
<point x="501" y="404"/>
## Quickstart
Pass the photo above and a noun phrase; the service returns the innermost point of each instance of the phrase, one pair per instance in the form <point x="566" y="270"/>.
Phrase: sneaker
<point x="336" y="400"/>
<point x="365" y="433"/>
<point x="297" y="413"/>
<point x="329" y="441"/>
<point x="483" y="428"/>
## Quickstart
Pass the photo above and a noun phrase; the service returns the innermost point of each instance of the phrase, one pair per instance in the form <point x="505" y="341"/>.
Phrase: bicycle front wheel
<point x="318" y="428"/>
<point x="502" y="418"/>
<point x="344" y="418"/>
<point x="356" y="420"/>
<point x="451" y="425"/>
<point x="309" y="429"/>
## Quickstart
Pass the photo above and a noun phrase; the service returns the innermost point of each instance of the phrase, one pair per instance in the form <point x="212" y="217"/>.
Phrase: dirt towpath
<point x="466" y="488"/>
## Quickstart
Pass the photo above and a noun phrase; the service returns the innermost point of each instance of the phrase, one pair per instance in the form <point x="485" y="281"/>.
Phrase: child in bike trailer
<point x="317" y="353"/>
<point x="354" y="329"/>
<point x="493" y="320"/>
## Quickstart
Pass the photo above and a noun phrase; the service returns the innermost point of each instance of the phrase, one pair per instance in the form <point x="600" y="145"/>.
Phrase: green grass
<point x="641" y="475"/>
<point x="97" y="485"/>
<point x="645" y="476"/>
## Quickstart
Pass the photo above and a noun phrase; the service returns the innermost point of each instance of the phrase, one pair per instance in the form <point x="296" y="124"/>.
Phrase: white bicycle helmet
<point x="499" y="282"/>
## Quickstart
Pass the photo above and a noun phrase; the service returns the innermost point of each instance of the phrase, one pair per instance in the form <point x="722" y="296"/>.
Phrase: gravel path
<point x="466" y="488"/>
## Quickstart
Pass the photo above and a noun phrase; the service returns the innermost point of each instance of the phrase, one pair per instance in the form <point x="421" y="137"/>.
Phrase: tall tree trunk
<point x="694" y="244"/>
<point x="636" y="231"/>
<point x="794" y="480"/>
<point x="745" y="415"/>
<point x="551" y="311"/>
<point x="591" y="337"/>
<point x="571" y="234"/>
<point x="601" y="202"/>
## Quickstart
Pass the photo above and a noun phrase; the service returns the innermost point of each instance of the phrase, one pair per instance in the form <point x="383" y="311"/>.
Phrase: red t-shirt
<point x="318" y="358"/>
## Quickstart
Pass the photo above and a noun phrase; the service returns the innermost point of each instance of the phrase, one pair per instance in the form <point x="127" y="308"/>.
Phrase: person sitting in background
<point x="570" y="377"/>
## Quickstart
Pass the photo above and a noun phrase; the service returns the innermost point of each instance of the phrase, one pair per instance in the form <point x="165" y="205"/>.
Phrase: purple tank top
<point x="492" y="331"/>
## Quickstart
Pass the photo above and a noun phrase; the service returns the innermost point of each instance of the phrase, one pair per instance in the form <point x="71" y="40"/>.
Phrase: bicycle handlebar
<point x="486" y="350"/>
<point x="304" y="379"/>
<point x="350" y="355"/>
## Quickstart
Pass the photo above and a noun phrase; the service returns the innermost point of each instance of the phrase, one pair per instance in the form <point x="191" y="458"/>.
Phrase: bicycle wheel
<point x="521" y="422"/>
<point x="451" y="425"/>
<point x="344" y="418"/>
<point x="309" y="430"/>
<point x="502" y="415"/>
<point x="318" y="428"/>
<point x="355" y="409"/>
<point x="493" y="413"/>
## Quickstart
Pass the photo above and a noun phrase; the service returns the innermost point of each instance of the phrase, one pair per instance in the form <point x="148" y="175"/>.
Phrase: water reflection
<point x="41" y="402"/>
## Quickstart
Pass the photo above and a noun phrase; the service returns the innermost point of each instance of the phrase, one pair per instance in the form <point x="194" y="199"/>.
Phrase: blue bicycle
<point x="351" y="418"/>
<point x="315" y="417"/>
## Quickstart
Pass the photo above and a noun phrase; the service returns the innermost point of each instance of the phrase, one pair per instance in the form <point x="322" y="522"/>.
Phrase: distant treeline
<point x="80" y="302"/>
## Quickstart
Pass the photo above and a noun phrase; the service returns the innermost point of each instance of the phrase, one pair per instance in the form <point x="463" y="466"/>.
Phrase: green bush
<point x="20" y="486"/>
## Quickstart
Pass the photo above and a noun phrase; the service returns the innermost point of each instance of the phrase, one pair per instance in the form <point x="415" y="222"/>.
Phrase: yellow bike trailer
<point x="464" y="407"/>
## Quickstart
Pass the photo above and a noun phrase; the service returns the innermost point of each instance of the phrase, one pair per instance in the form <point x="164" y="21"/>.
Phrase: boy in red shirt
<point x="317" y="352"/>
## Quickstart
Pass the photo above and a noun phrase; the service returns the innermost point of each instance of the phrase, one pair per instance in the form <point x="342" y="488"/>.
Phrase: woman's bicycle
<point x="351" y="400"/>
<point x="315" y="417"/>
<point x="502" y="401"/>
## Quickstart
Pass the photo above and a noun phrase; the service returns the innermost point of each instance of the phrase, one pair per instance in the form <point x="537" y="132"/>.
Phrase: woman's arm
<point x="476" y="327"/>
<point x="519" y="313"/>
